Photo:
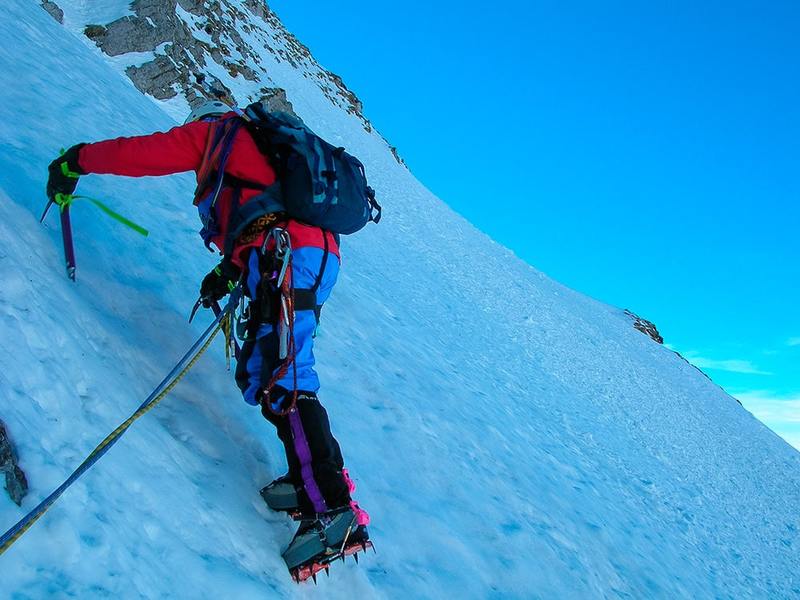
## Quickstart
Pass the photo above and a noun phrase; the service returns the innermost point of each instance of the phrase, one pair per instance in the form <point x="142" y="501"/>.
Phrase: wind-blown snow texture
<point x="510" y="437"/>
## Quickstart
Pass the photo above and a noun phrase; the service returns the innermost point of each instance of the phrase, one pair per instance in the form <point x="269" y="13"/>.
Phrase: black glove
<point x="64" y="173"/>
<point x="220" y="282"/>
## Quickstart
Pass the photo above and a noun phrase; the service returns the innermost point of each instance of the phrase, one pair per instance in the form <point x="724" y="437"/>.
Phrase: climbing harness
<point x="188" y="360"/>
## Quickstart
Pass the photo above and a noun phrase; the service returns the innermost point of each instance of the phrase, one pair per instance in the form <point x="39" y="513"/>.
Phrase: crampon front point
<point x="310" y="569"/>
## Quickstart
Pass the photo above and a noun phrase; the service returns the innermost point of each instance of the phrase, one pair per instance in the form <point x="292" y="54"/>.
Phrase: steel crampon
<point x="310" y="570"/>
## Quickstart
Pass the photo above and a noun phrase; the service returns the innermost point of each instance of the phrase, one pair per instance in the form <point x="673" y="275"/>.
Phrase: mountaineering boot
<point x="281" y="495"/>
<point x="322" y="539"/>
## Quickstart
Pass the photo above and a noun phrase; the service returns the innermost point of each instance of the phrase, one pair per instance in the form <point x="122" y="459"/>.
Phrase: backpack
<point x="317" y="183"/>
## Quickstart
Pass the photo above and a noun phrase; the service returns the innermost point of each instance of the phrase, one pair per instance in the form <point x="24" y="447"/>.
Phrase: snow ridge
<point x="509" y="436"/>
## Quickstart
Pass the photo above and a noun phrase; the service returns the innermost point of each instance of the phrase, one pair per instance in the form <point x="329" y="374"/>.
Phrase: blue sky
<point x="646" y="154"/>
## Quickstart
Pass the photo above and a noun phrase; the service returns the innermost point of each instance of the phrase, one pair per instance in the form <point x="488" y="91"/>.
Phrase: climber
<point x="234" y="176"/>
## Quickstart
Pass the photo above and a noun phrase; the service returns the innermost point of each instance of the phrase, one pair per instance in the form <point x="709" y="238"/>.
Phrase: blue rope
<point x="10" y="536"/>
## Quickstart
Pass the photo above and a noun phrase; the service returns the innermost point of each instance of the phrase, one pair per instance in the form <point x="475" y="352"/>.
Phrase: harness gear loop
<point x="285" y="322"/>
<point x="283" y="250"/>
<point x="287" y="310"/>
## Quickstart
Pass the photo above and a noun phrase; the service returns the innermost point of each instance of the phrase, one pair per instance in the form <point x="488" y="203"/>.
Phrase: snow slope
<point x="510" y="437"/>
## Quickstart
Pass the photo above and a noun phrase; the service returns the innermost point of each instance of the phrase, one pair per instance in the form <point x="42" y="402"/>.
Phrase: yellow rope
<point x="121" y="429"/>
<point x="226" y="328"/>
<point x="157" y="399"/>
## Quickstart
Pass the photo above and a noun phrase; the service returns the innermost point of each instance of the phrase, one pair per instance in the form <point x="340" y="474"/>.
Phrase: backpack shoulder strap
<point x="324" y="262"/>
<point x="218" y="148"/>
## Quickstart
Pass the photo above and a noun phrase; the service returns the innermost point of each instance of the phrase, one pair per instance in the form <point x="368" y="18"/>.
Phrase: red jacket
<point x="182" y="149"/>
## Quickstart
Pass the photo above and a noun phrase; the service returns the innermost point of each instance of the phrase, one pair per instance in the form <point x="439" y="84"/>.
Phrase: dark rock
<point x="213" y="34"/>
<point x="54" y="10"/>
<point x="274" y="100"/>
<point x="355" y="104"/>
<point x="196" y="7"/>
<point x="16" y="483"/>
<point x="157" y="78"/>
<point x="649" y="329"/>
<point x="242" y="69"/>
<point x="258" y="7"/>
<point x="397" y="156"/>
<point x="645" y="326"/>
<point x="94" y="32"/>
<point x="154" y="23"/>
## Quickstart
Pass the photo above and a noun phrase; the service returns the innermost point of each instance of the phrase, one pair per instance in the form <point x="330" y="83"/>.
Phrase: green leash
<point x="65" y="200"/>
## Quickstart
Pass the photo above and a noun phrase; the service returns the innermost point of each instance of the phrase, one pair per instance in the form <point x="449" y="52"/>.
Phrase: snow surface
<point x="509" y="436"/>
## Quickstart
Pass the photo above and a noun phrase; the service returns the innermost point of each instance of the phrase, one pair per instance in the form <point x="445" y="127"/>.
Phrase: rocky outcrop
<point x="275" y="100"/>
<point x="649" y="329"/>
<point x="191" y="36"/>
<point x="155" y="27"/>
<point x="161" y="78"/>
<point x="396" y="154"/>
<point x="54" y="10"/>
<point x="16" y="483"/>
<point x="646" y="327"/>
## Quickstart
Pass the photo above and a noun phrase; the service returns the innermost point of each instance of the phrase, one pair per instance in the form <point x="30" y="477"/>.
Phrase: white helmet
<point x="212" y="108"/>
